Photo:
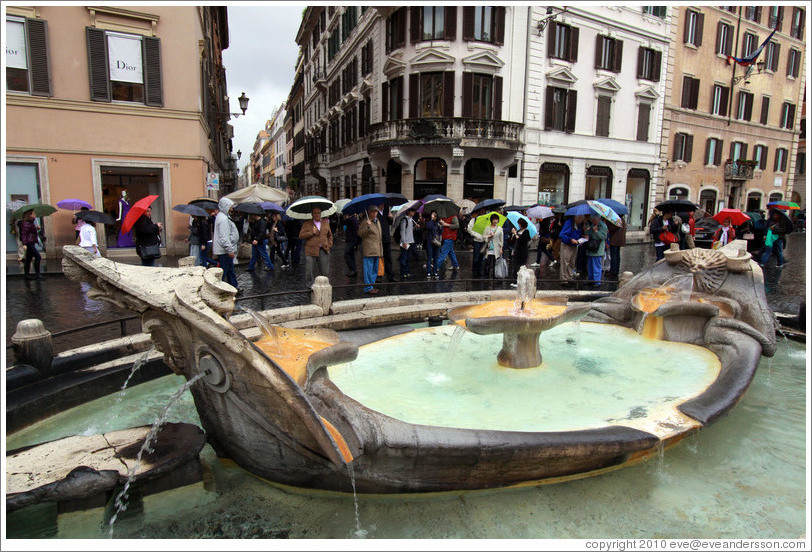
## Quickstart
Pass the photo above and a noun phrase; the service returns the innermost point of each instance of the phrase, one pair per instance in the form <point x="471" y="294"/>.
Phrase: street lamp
<point x="243" y="99"/>
<point x="759" y="69"/>
<point x="550" y="16"/>
<point x="239" y="154"/>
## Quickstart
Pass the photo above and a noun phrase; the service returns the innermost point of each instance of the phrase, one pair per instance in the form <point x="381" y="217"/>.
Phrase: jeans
<point x="405" y="255"/>
<point x="32" y="253"/>
<point x="478" y="260"/>
<point x="432" y="252"/>
<point x="447" y="250"/>
<point x="349" y="257"/>
<point x="201" y="259"/>
<point x="295" y="250"/>
<point x="542" y="248"/>
<point x="323" y="262"/>
<point x="260" y="251"/>
<point x="614" y="261"/>
<point x="777" y="248"/>
<point x="227" y="264"/>
<point x="594" y="265"/>
<point x="659" y="252"/>
<point x="370" y="272"/>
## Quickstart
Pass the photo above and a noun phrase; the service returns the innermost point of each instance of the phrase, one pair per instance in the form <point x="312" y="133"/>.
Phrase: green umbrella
<point x="483" y="221"/>
<point x="40" y="209"/>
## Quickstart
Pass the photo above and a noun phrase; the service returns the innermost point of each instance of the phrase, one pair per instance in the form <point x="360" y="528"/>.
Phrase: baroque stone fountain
<point x="273" y="408"/>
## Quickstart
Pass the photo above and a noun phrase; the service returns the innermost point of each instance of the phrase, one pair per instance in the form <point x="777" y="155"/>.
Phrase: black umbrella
<point x="250" y="208"/>
<point x="393" y="198"/>
<point x="194" y="210"/>
<point x="516" y="207"/>
<point x="786" y="223"/>
<point x="205" y="202"/>
<point x="444" y="207"/>
<point x="488" y="204"/>
<point x="672" y="205"/>
<point x="95" y="216"/>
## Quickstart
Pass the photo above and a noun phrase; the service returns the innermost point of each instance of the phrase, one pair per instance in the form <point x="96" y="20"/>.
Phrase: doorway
<point x="121" y="187"/>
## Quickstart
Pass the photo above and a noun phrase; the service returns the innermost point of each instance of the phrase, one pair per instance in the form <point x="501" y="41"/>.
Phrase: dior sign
<point x="126" y="62"/>
<point x="15" y="45"/>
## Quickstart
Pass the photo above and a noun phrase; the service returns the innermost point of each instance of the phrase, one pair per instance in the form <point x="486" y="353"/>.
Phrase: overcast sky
<point x="259" y="61"/>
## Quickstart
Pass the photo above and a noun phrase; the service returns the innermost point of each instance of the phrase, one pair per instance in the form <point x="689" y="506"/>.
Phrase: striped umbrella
<point x="301" y="208"/>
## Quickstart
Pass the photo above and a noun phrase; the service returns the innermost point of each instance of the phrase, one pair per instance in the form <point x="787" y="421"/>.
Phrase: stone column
<point x="322" y="293"/>
<point x="33" y="346"/>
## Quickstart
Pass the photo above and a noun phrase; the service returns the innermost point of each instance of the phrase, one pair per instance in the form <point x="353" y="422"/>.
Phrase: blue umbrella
<point x="361" y="203"/>
<point x="193" y="210"/>
<point x="271" y="206"/>
<point x="514" y="216"/>
<point x="606" y="212"/>
<point x="616" y="206"/>
<point x="431" y="197"/>
<point x="488" y="204"/>
<point x="579" y="209"/>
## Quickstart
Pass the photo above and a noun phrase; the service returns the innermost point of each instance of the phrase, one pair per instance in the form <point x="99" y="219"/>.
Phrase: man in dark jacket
<point x="663" y="223"/>
<point x="350" y="244"/>
<point x="258" y="235"/>
<point x="780" y="226"/>
<point x="617" y="239"/>
<point x="147" y="233"/>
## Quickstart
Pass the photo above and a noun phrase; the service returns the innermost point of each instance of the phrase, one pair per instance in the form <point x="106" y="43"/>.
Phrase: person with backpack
<point x="449" y="226"/>
<point x="406" y="241"/>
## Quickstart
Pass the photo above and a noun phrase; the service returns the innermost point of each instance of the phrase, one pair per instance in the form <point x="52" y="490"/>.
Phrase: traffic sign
<point x="213" y="181"/>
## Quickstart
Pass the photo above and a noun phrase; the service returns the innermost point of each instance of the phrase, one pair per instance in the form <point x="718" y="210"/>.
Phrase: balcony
<point x="739" y="170"/>
<point x="447" y="131"/>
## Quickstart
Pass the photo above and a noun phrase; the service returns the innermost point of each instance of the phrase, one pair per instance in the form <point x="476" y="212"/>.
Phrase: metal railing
<point x="446" y="129"/>
<point x="739" y="171"/>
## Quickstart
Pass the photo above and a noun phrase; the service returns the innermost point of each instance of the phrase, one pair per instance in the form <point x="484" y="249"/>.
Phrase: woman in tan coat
<point x="318" y="240"/>
<point x="369" y="231"/>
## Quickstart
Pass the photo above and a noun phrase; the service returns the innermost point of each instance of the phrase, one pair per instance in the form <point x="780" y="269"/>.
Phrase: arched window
<point x="753" y="201"/>
<point x="678" y="192"/>
<point x="429" y="177"/>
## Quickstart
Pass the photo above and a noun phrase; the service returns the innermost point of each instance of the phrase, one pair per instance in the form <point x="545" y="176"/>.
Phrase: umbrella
<point x="488" y="204"/>
<point x="205" y="203"/>
<point x="301" y="208"/>
<point x="394" y="198"/>
<point x="788" y="225"/>
<point x="138" y="208"/>
<point x="257" y="193"/>
<point x="671" y="205"/>
<point x="755" y="216"/>
<point x="560" y="210"/>
<point x="361" y="203"/>
<point x="444" y="207"/>
<point x="250" y="207"/>
<point x="414" y="204"/>
<point x="466" y="206"/>
<point x="616" y="206"/>
<point x="73" y="204"/>
<point x="194" y="210"/>
<point x="483" y="221"/>
<point x="340" y="205"/>
<point x="514" y="216"/>
<point x="432" y="197"/>
<point x="40" y="209"/>
<point x="578" y="208"/>
<point x="271" y="206"/>
<point x="606" y="212"/>
<point x="96" y="216"/>
<point x="516" y="207"/>
<point x="786" y="205"/>
<point x="14" y="205"/>
<point x="735" y="215"/>
<point x="539" y="212"/>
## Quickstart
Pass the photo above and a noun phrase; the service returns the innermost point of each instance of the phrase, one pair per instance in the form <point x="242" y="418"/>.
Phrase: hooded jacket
<point x="226" y="238"/>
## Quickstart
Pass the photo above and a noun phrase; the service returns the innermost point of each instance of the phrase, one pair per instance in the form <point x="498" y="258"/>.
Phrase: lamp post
<point x="243" y="99"/>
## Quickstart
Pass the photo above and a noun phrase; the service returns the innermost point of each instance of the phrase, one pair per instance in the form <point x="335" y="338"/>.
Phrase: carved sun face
<point x="707" y="266"/>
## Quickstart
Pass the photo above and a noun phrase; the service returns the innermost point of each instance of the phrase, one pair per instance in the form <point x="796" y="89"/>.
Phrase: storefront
<point x="636" y="198"/>
<point x="598" y="182"/>
<point x="478" y="184"/>
<point x="429" y="177"/>
<point x="554" y="184"/>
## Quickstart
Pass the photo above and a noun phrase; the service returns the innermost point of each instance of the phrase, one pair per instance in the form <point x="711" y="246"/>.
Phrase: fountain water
<point x="268" y="330"/>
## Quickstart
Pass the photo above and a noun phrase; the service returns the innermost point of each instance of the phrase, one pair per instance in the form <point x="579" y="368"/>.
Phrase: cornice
<point x="24" y="100"/>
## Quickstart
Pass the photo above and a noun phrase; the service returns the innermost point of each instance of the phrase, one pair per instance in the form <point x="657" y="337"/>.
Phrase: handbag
<point x="770" y="238"/>
<point x="484" y="248"/>
<point x="500" y="269"/>
<point x="151" y="251"/>
<point x="380" y="267"/>
<point x="667" y="237"/>
<point x="437" y="242"/>
<point x="593" y="244"/>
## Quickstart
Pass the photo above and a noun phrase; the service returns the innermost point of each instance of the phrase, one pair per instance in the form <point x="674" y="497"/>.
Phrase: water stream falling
<point x="454" y="344"/>
<point x="358" y="533"/>
<point x="139" y="362"/>
<point x="120" y="501"/>
<point x="268" y="330"/>
<point x="682" y="283"/>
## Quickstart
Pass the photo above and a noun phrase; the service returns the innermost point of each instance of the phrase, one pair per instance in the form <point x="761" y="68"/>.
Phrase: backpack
<point x="396" y="234"/>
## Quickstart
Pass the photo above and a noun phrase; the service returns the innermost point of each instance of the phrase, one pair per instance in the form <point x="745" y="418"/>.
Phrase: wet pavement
<point x="63" y="305"/>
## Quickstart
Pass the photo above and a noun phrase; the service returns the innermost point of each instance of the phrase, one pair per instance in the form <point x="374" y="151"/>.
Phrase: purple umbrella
<point x="73" y="204"/>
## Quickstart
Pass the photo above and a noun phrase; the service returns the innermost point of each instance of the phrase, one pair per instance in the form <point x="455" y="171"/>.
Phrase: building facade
<point x="105" y="101"/>
<point x="277" y="138"/>
<point x="731" y="136"/>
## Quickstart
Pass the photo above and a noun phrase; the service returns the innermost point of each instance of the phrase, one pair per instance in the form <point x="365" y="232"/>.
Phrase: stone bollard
<point x="187" y="261"/>
<point x="624" y="278"/>
<point x="322" y="294"/>
<point x="33" y="346"/>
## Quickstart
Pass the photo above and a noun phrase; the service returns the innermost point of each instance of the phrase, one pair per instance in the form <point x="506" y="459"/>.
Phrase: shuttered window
<point x="132" y="73"/>
<point x="683" y="147"/>
<point x="560" y="109"/>
<point x="760" y="155"/>
<point x="797" y="28"/>
<point x="432" y="23"/>
<point x="793" y="63"/>
<point x="780" y="164"/>
<point x="481" y="96"/>
<point x="484" y="24"/>
<point x="765" y="110"/>
<point x="738" y="151"/>
<point x="787" y="115"/>
<point x="648" y="64"/>
<point x="608" y="53"/>
<point x="719" y="99"/>
<point x="692" y="31"/>
<point x="744" y="108"/>
<point x="643" y="121"/>
<point x="773" y="53"/>
<point x="396" y="30"/>
<point x="562" y="42"/>
<point x="713" y="152"/>
<point x="724" y="38"/>
<point x="690" y="93"/>
<point x="27" y="59"/>
<point x="602" y="123"/>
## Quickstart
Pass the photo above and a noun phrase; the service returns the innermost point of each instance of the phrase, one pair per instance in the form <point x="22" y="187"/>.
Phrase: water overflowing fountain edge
<point x="291" y="443"/>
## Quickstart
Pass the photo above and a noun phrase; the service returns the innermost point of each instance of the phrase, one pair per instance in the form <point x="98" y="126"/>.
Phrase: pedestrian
<point x="204" y="239"/>
<point x="777" y="228"/>
<point x="29" y="237"/>
<point x="662" y="232"/>
<point x="555" y="237"/>
<point x="545" y="242"/>
<point x="521" y="244"/>
<point x="278" y="240"/>
<point x="449" y="227"/>
<point x="292" y="228"/>
<point x="88" y="239"/>
<point x="78" y="223"/>
<point x="258" y="236"/>
<point x="193" y="238"/>
<point x="689" y="236"/>
<point x="434" y="242"/>
<point x="494" y="241"/>
<point x="724" y="234"/>
<point x="406" y="226"/>
<point x="147" y="234"/>
<point x="318" y="240"/>
<point x="385" y="219"/>
<point x="369" y="231"/>
<point x="570" y="237"/>
<point x="617" y="239"/>
<point x="225" y="241"/>
<point x="596" y="233"/>
<point x="478" y="244"/>
<point x="351" y="244"/>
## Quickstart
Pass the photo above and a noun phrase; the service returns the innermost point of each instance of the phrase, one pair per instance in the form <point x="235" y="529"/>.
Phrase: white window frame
<point x="691" y="20"/>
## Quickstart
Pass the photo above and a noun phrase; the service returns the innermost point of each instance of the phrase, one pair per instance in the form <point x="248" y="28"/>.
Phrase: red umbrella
<point x="736" y="216"/>
<point x="138" y="208"/>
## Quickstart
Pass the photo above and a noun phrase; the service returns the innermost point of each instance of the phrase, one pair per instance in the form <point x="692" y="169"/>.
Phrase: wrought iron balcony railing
<point x="447" y="130"/>
<point x="739" y="171"/>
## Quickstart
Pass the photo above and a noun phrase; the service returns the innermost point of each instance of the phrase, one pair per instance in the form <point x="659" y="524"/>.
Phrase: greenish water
<point x="742" y="477"/>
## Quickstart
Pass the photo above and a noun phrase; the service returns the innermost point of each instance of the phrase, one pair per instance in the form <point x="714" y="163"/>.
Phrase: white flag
<point x="125" y="59"/>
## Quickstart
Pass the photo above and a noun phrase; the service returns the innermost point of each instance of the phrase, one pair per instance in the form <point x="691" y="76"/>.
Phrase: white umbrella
<point x="539" y="212"/>
<point x="402" y="209"/>
<point x="257" y="193"/>
<point x="301" y="208"/>
<point x="341" y="203"/>
<point x="466" y="205"/>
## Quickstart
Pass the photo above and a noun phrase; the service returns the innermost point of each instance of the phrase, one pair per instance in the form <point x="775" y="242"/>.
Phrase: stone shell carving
<point x="708" y="268"/>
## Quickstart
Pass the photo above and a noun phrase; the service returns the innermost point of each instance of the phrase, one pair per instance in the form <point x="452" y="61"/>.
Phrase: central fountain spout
<point x="520" y="321"/>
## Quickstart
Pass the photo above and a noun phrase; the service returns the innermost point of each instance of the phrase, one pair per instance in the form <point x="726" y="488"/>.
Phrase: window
<point x="760" y="156"/>
<point x="724" y="38"/>
<point x="780" y="160"/>
<point x="433" y="22"/>
<point x="396" y="30"/>
<point x="643" y="120"/>
<point x="690" y="93"/>
<point x="773" y="50"/>
<point x="738" y="151"/>
<point x="692" y="33"/>
<point x="481" y="96"/>
<point x="744" y="108"/>
<point x="349" y="19"/>
<point x="366" y="58"/>
<point x="765" y="109"/>
<point x="483" y="23"/>
<point x="797" y="28"/>
<point x="719" y="100"/>
<point x="683" y="146"/>
<point x="27" y="56"/>
<point x="776" y="17"/>
<point x="559" y="113"/>
<point x="562" y="42"/>
<point x="124" y="67"/>
<point x="749" y="44"/>
<point x="648" y="64"/>
<point x="608" y="53"/>
<point x="793" y="63"/>
<point x="392" y="98"/>
<point x="604" y="111"/>
<point x="800" y="163"/>
<point x="753" y="13"/>
<point x="787" y="115"/>
<point x="333" y="44"/>
<point x="430" y="87"/>
<point x="775" y="196"/>
<point x="656" y="11"/>
<point x="713" y="152"/>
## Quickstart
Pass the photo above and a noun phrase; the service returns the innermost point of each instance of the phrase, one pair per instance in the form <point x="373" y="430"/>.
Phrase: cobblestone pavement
<point x="62" y="304"/>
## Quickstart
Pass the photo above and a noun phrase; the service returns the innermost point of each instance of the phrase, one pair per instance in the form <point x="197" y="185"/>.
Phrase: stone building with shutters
<point x="412" y="99"/>
<point x="102" y="101"/>
<point x="730" y="138"/>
